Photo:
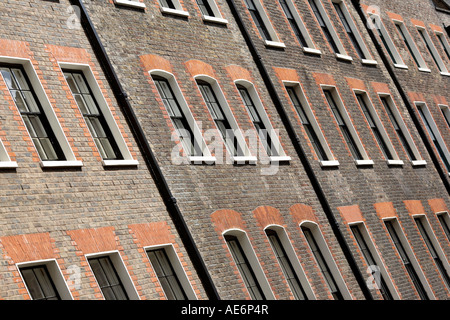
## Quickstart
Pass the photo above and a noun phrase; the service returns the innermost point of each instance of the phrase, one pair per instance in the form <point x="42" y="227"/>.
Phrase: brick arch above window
<point x="302" y="212"/>
<point x="267" y="215"/>
<point x="226" y="219"/>
<point x="239" y="73"/>
<point x="154" y="62"/>
<point x="198" y="67"/>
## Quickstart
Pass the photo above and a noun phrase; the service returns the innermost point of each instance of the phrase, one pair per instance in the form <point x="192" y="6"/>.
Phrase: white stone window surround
<point x="252" y="258"/>
<point x="404" y="129"/>
<point x="442" y="68"/>
<point x="198" y="136"/>
<point x="373" y="112"/>
<point x="131" y="3"/>
<point x="293" y="258"/>
<point x="412" y="44"/>
<point x="365" y="161"/>
<point x="342" y="54"/>
<point x="55" y="275"/>
<point x="446" y="218"/>
<point x="265" y="119"/>
<point x="328" y="256"/>
<point x="178" y="11"/>
<point x="217" y="17"/>
<point x="377" y="257"/>
<point x="247" y="157"/>
<point x="356" y="32"/>
<point x="440" y="35"/>
<point x="411" y="255"/>
<point x="445" y="113"/>
<point x="41" y="95"/>
<point x="5" y="160"/>
<point x="332" y="162"/>
<point x="103" y="105"/>
<point x="177" y="267"/>
<point x="120" y="268"/>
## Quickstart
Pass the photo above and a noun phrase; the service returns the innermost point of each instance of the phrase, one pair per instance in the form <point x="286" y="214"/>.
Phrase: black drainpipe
<point x="300" y="152"/>
<point x="404" y="96"/>
<point x="147" y="153"/>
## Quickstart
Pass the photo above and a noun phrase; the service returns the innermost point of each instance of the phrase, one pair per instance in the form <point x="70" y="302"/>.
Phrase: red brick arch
<point x="302" y="212"/>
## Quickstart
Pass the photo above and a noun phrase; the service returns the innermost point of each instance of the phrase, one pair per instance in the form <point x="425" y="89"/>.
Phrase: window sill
<point x="215" y="20"/>
<point x="418" y="162"/>
<point x="274" y="44"/>
<point x="202" y="160"/>
<point x="369" y="62"/>
<point x="280" y="159"/>
<point x="174" y="12"/>
<point x="343" y="57"/>
<point x="445" y="74"/>
<point x="395" y="162"/>
<point x="134" y="4"/>
<point x="245" y="159"/>
<point x="400" y="66"/>
<point x="312" y="51"/>
<point x="8" y="164"/>
<point x="424" y="70"/>
<point x="329" y="163"/>
<point x="111" y="163"/>
<point x="364" y="162"/>
<point x="61" y="164"/>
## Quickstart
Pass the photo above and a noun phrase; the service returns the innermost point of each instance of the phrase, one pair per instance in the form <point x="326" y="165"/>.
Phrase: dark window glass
<point x="373" y="126"/>
<point x="205" y="7"/>
<point x="93" y="116"/>
<point x="245" y="269"/>
<point x="343" y="126"/>
<point x="348" y="29"/>
<point x="447" y="120"/>
<point x="108" y="279"/>
<point x="286" y="266"/>
<point x="258" y="20"/>
<point x="178" y="117"/>
<point x="167" y="4"/>
<point x="263" y="133"/>
<point x="293" y="23"/>
<point x="403" y="36"/>
<point x="307" y="125"/>
<point x="39" y="283"/>
<point x="433" y="251"/>
<point x="166" y="275"/>
<point x="32" y="113"/>
<point x="220" y="118"/>
<point x="406" y="262"/>
<point x="337" y="295"/>
<point x="441" y="40"/>
<point x="384" y="290"/>
<point x="383" y="39"/>
<point x="434" y="138"/>
<point x="323" y="25"/>
<point x="444" y="224"/>
<point x="422" y="34"/>
<point x="398" y="129"/>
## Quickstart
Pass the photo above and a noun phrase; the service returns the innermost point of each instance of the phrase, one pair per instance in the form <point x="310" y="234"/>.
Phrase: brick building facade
<point x="348" y="188"/>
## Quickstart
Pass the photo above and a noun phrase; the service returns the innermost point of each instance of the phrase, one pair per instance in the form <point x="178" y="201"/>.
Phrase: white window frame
<point x="71" y="160"/>
<point x="442" y="68"/>
<point x="327" y="255"/>
<point x="346" y="117"/>
<point x="55" y="274"/>
<point x="107" y="114"/>
<point x="177" y="267"/>
<point x="412" y="44"/>
<point x="445" y="113"/>
<point x="446" y="217"/>
<point x="265" y="119"/>
<point x="434" y="128"/>
<point x="293" y="258"/>
<point x="5" y="160"/>
<point x="333" y="162"/>
<point x="396" y="159"/>
<point x="121" y="270"/>
<point x="396" y="113"/>
<point x="250" y="254"/>
<point x="398" y="63"/>
<point x="130" y="3"/>
<point x="441" y="36"/>
<point x="198" y="136"/>
<point x="178" y="11"/>
<point x="217" y="18"/>
<point x="247" y="157"/>
<point x="355" y="31"/>
<point x="377" y="257"/>
<point x="311" y="48"/>
<point x="342" y="54"/>
<point x="409" y="251"/>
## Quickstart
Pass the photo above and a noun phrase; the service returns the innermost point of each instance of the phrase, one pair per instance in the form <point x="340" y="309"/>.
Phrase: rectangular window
<point x="446" y="113"/>
<point x="39" y="283"/>
<point x="387" y="42"/>
<point x="307" y="125"/>
<point x="432" y="246"/>
<point x="167" y="3"/>
<point x="245" y="269"/>
<point x="107" y="278"/>
<point x="444" y="44"/>
<point x="412" y="48"/>
<point x="432" y="49"/>
<point x="443" y="220"/>
<point x="166" y="274"/>
<point x="32" y="113"/>
<point x="324" y="268"/>
<point x="370" y="261"/>
<point x="324" y="24"/>
<point x="93" y="115"/>
<point x="286" y="266"/>
<point x="293" y="23"/>
<point x="205" y="8"/>
<point x="258" y="20"/>
<point x="406" y="260"/>
<point x="434" y="134"/>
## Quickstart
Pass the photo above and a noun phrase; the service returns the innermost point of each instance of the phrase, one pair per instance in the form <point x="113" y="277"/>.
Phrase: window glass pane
<point x="80" y="102"/>
<point x="30" y="101"/>
<point x="19" y="100"/>
<point x="32" y="284"/>
<point x="20" y="78"/>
